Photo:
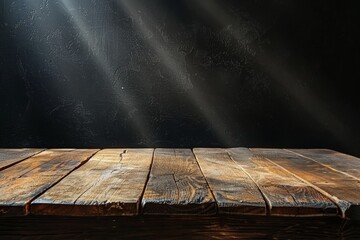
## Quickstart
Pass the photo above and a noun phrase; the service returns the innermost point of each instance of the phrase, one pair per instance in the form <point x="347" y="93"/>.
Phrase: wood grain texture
<point x="176" y="185"/>
<point x="110" y="183"/>
<point x="285" y="194"/>
<point x="342" y="189"/>
<point x="337" y="161"/>
<point x="9" y="157"/>
<point x="234" y="191"/>
<point x="24" y="181"/>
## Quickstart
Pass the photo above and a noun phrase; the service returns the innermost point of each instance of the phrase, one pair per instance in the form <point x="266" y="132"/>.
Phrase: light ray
<point x="177" y="68"/>
<point x="107" y="68"/>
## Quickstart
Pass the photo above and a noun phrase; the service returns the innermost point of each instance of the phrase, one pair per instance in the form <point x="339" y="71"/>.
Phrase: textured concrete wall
<point x="179" y="73"/>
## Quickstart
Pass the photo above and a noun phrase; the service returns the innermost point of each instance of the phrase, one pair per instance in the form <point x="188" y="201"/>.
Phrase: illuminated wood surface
<point x="342" y="189"/>
<point x="9" y="157"/>
<point x="202" y="181"/>
<point x="337" y="161"/>
<point x="284" y="193"/>
<point x="110" y="183"/>
<point x="176" y="185"/>
<point x="21" y="183"/>
<point x="233" y="189"/>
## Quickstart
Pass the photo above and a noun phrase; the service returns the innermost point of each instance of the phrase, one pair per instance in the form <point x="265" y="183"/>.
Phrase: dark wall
<point x="86" y="73"/>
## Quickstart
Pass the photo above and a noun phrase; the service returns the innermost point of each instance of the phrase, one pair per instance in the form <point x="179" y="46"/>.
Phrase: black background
<point x="191" y="73"/>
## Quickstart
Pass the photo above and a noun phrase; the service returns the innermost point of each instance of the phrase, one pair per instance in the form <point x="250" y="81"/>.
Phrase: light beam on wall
<point x="107" y="68"/>
<point x="172" y="61"/>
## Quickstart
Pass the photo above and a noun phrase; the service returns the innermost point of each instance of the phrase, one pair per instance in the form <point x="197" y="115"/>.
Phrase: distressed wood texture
<point x="337" y="161"/>
<point x="9" y="157"/>
<point x="284" y="193"/>
<point x="234" y="190"/>
<point x="110" y="183"/>
<point x="24" y="181"/>
<point x="340" y="188"/>
<point x="205" y="181"/>
<point x="176" y="185"/>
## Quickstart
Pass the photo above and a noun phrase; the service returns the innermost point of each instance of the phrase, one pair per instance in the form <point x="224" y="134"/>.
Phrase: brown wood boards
<point x="176" y="185"/>
<point x="233" y="189"/>
<point x="110" y="183"/>
<point x="27" y="179"/>
<point x="342" y="189"/>
<point x="114" y="182"/>
<point x="337" y="161"/>
<point x="285" y="194"/>
<point x="9" y="157"/>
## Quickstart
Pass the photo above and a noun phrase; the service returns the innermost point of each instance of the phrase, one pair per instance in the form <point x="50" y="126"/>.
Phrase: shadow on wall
<point x="179" y="74"/>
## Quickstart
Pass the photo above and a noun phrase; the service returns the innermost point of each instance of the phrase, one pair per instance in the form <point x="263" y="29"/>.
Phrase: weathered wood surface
<point x="114" y="182"/>
<point x="342" y="189"/>
<point x="9" y="157"/>
<point x="337" y="161"/>
<point x="234" y="190"/>
<point x="284" y="193"/>
<point x="110" y="183"/>
<point x="176" y="185"/>
<point x="24" y="181"/>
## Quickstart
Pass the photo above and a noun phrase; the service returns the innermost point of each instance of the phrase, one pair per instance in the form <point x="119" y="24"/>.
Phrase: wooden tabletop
<point x="200" y="181"/>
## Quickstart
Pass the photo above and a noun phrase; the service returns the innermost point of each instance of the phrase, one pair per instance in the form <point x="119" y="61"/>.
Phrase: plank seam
<point x="333" y="169"/>
<point x="211" y="191"/>
<point x="266" y="199"/>
<point x="28" y="204"/>
<point x="12" y="164"/>
<point x="86" y="190"/>
<point x="140" y="204"/>
<point x="291" y="194"/>
<point x="176" y="181"/>
<point x="177" y="188"/>
<point x="334" y="199"/>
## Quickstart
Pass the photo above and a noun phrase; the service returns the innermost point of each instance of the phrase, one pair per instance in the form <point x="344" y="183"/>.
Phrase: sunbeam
<point x="36" y="37"/>
<point x="107" y="68"/>
<point x="177" y="68"/>
<point x="186" y="73"/>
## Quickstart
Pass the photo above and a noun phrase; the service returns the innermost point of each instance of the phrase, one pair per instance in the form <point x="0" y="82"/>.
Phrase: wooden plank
<point x="340" y="188"/>
<point x="337" y="161"/>
<point x="24" y="181"/>
<point x="9" y="157"/>
<point x="285" y="194"/>
<point x="110" y="183"/>
<point x="176" y="185"/>
<point x="234" y="191"/>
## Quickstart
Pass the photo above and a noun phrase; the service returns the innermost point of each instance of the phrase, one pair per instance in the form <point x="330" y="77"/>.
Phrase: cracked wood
<point x="110" y="183"/>
<point x="236" y="181"/>
<point x="176" y="185"/>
